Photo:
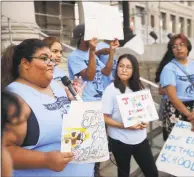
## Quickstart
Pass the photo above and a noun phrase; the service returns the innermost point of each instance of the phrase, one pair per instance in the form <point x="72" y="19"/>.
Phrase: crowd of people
<point x="35" y="102"/>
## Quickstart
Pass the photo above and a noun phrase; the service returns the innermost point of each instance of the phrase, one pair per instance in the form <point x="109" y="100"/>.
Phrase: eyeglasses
<point x="176" y="46"/>
<point x="127" y="68"/>
<point x="46" y="59"/>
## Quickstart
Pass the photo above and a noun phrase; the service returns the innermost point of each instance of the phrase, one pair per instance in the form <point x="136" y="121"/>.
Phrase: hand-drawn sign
<point x="177" y="155"/>
<point x="84" y="133"/>
<point x="136" y="106"/>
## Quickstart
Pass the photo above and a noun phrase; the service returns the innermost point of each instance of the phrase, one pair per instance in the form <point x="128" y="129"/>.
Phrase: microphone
<point x="65" y="80"/>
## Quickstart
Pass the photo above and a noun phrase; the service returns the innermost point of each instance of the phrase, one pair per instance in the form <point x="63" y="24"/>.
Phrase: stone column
<point x="81" y="12"/>
<point x="177" y="24"/>
<point x="16" y="17"/>
<point x="168" y="22"/>
<point x="185" y="27"/>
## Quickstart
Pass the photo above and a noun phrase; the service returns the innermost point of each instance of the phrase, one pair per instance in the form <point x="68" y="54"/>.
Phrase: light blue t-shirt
<point x="58" y="73"/>
<point x="77" y="62"/>
<point x="104" y="58"/>
<point x="49" y="113"/>
<point x="110" y="106"/>
<point x="173" y="75"/>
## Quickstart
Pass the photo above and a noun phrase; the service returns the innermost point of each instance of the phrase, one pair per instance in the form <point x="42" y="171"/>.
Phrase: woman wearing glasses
<point x="177" y="78"/>
<point x="56" y="48"/>
<point x="36" y="150"/>
<point x="126" y="142"/>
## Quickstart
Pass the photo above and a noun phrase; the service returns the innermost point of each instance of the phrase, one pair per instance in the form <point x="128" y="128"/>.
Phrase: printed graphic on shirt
<point x="190" y="88"/>
<point x="62" y="103"/>
<point x="58" y="78"/>
<point x="97" y="82"/>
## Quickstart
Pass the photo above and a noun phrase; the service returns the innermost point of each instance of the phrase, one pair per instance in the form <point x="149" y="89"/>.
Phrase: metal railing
<point x="67" y="48"/>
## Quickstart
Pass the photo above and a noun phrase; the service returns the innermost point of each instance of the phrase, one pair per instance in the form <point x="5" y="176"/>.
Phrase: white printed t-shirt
<point x="110" y="106"/>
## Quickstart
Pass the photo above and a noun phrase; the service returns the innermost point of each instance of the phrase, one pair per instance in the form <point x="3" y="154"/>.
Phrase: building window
<point x="140" y="11"/>
<point x="163" y="20"/>
<point x="189" y="27"/>
<point x="172" y="24"/>
<point x="181" y="24"/>
<point x="152" y="21"/>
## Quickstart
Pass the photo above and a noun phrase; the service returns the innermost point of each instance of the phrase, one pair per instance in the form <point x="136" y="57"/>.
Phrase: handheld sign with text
<point x="84" y="134"/>
<point x="177" y="155"/>
<point x="137" y="107"/>
<point x="100" y="20"/>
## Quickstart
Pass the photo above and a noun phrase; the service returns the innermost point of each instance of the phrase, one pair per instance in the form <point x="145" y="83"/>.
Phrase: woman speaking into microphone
<point x="44" y="103"/>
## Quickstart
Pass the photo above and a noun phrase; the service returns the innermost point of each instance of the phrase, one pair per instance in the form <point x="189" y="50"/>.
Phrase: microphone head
<point x="65" y="80"/>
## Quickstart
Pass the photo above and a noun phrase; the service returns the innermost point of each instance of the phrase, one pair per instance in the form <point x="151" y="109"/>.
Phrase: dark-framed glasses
<point x="127" y="68"/>
<point x="177" y="46"/>
<point x="46" y="59"/>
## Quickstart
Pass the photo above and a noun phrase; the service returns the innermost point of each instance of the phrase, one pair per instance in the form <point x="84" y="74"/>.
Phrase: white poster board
<point x="102" y="21"/>
<point x="177" y="155"/>
<point x="136" y="107"/>
<point x="136" y="44"/>
<point x="84" y="134"/>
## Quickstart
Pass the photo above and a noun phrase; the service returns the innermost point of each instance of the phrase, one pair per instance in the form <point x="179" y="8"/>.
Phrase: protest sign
<point x="177" y="155"/>
<point x="136" y="44"/>
<point x="102" y="21"/>
<point x="137" y="107"/>
<point x="83" y="133"/>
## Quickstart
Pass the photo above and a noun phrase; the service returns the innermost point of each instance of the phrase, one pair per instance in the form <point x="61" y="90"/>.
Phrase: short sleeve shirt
<point x="78" y="61"/>
<point x="175" y="76"/>
<point x="110" y="107"/>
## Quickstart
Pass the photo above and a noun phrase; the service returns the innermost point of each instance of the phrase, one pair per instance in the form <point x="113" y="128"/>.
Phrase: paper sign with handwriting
<point x="177" y="155"/>
<point x="83" y="132"/>
<point x="102" y="21"/>
<point x="136" y="107"/>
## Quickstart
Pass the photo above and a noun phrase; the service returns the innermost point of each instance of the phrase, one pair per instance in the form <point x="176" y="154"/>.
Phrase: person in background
<point x="10" y="113"/>
<point x="6" y="66"/>
<point x="57" y="52"/>
<point x="44" y="104"/>
<point x="85" y="63"/>
<point x="126" y="142"/>
<point x="103" y="49"/>
<point x="177" y="78"/>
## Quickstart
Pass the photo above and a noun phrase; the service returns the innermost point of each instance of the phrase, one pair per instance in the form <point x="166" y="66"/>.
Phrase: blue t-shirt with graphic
<point x="77" y="62"/>
<point x="104" y="58"/>
<point x="184" y="83"/>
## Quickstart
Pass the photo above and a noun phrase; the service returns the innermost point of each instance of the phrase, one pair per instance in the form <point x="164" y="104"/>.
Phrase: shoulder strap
<point x="184" y="71"/>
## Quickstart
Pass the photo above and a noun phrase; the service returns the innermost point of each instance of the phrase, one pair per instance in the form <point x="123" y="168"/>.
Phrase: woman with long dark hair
<point x="126" y="142"/>
<point x="168" y="56"/>
<point x="177" y="78"/>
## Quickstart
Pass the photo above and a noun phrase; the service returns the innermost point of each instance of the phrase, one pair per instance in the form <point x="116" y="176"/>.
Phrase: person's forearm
<point x="91" y="70"/>
<point x="180" y="106"/>
<point x="27" y="159"/>
<point x="98" y="52"/>
<point x="113" y="123"/>
<point x="109" y="65"/>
